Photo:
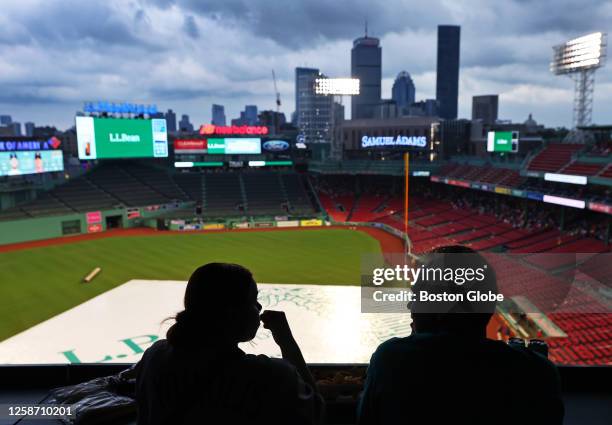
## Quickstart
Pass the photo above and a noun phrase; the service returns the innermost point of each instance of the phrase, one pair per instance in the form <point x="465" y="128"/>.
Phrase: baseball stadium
<point x="99" y="257"/>
<point x="422" y="234"/>
<point x="95" y="257"/>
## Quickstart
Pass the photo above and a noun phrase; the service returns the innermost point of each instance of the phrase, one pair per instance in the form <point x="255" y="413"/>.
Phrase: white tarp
<point x="118" y="325"/>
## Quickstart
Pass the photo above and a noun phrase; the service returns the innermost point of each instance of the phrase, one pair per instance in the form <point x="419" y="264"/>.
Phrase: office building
<point x="314" y="118"/>
<point x="5" y="119"/>
<point x="184" y="125"/>
<point x="250" y="115"/>
<point x="403" y="92"/>
<point x="218" y="115"/>
<point x="447" y="78"/>
<point x="29" y="129"/>
<point x="247" y="117"/>
<point x="485" y="108"/>
<point x="273" y="120"/>
<point x="424" y="108"/>
<point x="15" y="128"/>
<point x="366" y="60"/>
<point x="171" y="121"/>
<point x="387" y="108"/>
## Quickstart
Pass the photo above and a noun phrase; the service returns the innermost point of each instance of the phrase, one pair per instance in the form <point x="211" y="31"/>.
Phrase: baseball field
<point x="43" y="280"/>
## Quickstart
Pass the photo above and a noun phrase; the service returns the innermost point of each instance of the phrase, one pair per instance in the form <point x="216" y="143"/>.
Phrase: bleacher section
<point x="117" y="181"/>
<point x="223" y="194"/>
<point x="157" y="179"/>
<point x="265" y="192"/>
<point x="483" y="174"/>
<point x="607" y="173"/>
<point x="83" y="196"/>
<point x="133" y="185"/>
<point x="554" y="157"/>
<point x="190" y="184"/>
<point x="583" y="169"/>
<point x="297" y="197"/>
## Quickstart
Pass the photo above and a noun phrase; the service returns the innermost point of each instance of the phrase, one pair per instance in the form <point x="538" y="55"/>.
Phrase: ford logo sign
<point x="276" y="145"/>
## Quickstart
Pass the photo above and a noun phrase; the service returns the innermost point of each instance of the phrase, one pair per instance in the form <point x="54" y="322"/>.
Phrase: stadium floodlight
<point x="337" y="86"/>
<point x="579" y="58"/>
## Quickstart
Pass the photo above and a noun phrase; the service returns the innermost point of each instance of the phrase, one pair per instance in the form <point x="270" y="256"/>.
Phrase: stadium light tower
<point x="337" y="88"/>
<point x="579" y="58"/>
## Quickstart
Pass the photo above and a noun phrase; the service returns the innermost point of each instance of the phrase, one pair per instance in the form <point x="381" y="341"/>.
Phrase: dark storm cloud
<point x="191" y="27"/>
<point x="566" y="16"/>
<point x="174" y="94"/>
<point x="68" y="23"/>
<point x="306" y="24"/>
<point x="192" y="53"/>
<point x="299" y="24"/>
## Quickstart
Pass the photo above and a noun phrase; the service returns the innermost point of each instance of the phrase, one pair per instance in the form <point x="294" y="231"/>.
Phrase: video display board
<point x="219" y="146"/>
<point x="502" y="141"/>
<point x="100" y="138"/>
<point x="26" y="155"/>
<point x="30" y="162"/>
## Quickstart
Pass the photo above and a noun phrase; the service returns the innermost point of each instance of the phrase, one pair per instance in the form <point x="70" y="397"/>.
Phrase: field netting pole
<point x="406" y="174"/>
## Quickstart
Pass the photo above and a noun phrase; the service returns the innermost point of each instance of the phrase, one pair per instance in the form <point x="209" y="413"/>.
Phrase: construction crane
<point x="278" y="101"/>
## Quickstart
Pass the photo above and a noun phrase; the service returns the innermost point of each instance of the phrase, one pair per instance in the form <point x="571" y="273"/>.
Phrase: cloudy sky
<point x="188" y="54"/>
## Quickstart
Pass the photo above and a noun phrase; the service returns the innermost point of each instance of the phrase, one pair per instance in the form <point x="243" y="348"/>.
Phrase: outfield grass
<point x="39" y="283"/>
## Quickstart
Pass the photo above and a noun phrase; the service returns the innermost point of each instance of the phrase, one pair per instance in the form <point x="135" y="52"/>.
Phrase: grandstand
<point x="527" y="235"/>
<point x="136" y="185"/>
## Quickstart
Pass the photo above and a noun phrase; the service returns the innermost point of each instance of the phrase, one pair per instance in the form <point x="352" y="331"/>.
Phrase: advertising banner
<point x="275" y="145"/>
<point x="30" y="162"/>
<point x="16" y="144"/>
<point x="234" y="146"/>
<point x="503" y="190"/>
<point x="459" y="183"/>
<point x="94" y="228"/>
<point x="311" y="223"/>
<point x="214" y="226"/>
<point x="289" y="223"/>
<point x="99" y="138"/>
<point x="567" y="202"/>
<point x="536" y="196"/>
<point x="264" y="224"/>
<point x="133" y="213"/>
<point x="186" y="146"/>
<point x="243" y="225"/>
<point x="603" y="208"/>
<point x="93" y="217"/>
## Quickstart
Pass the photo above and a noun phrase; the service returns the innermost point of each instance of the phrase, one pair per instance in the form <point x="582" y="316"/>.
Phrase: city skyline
<point x="192" y="57"/>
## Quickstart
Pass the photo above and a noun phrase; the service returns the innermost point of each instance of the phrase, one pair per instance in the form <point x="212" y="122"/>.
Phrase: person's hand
<point x="276" y="322"/>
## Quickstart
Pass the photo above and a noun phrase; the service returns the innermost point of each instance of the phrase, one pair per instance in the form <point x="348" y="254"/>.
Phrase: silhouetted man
<point x="448" y="372"/>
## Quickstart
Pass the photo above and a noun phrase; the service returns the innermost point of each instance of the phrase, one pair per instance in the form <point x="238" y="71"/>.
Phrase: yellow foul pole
<point x="406" y="174"/>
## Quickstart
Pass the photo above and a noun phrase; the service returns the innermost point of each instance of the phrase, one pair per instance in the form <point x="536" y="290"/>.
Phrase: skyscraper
<point x="366" y="60"/>
<point x="403" y="92"/>
<point x="5" y="119"/>
<point x="29" y="129"/>
<point x="171" y="121"/>
<point x="485" y="108"/>
<point x="250" y="115"/>
<point x="313" y="112"/>
<point x="218" y="115"/>
<point x="447" y="79"/>
<point x="185" y="125"/>
<point x="16" y="128"/>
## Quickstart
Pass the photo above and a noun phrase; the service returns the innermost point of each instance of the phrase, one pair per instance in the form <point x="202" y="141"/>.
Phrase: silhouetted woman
<point x="199" y="375"/>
